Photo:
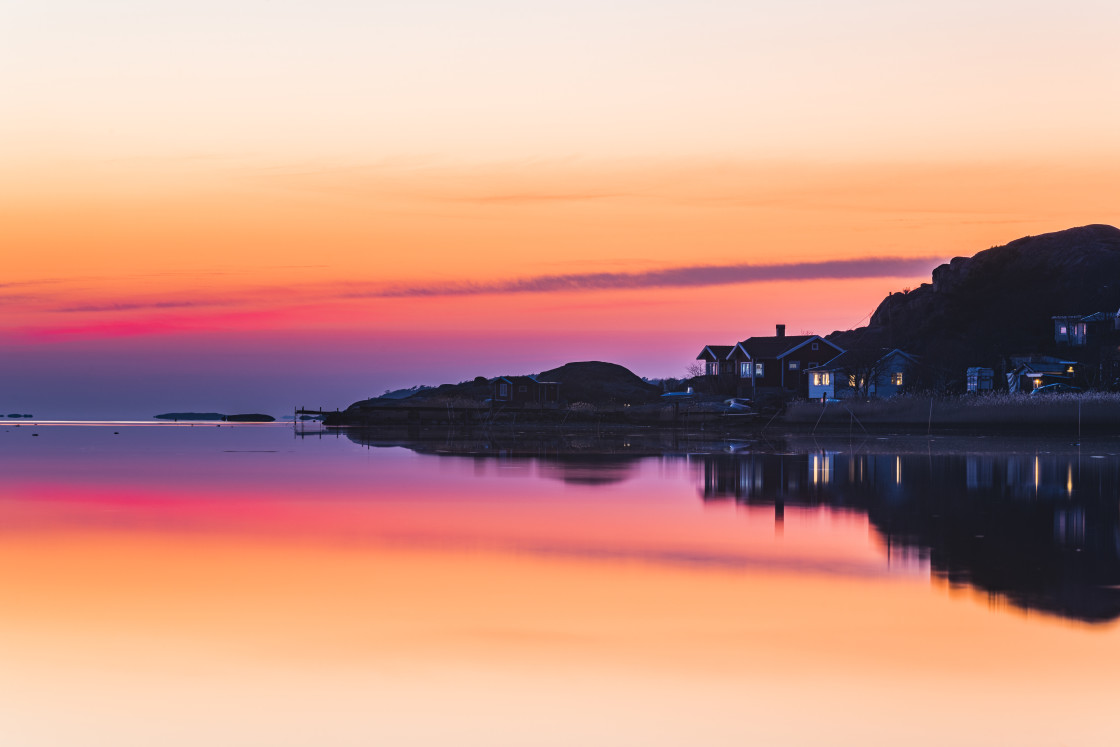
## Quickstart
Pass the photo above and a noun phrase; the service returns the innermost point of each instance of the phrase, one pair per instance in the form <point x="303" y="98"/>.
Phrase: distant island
<point x="212" y="416"/>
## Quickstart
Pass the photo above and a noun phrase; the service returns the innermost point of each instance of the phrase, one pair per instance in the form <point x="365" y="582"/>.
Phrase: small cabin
<point x="525" y="390"/>
<point x="1029" y="372"/>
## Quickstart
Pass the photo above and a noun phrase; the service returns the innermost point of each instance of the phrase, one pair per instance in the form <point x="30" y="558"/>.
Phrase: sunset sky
<point x="257" y="204"/>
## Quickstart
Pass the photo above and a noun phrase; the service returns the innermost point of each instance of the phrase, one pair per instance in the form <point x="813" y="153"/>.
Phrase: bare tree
<point x="863" y="367"/>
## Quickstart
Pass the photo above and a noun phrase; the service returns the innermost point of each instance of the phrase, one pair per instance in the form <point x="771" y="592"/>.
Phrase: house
<point x="1025" y="373"/>
<point x="979" y="380"/>
<point x="716" y="362"/>
<point x="525" y="390"/>
<point x="1080" y="331"/>
<point x="893" y="373"/>
<point x="822" y="380"/>
<point x="860" y="373"/>
<point x="778" y="364"/>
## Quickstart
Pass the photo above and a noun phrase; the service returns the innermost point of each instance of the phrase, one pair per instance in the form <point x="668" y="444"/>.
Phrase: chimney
<point x="781" y="330"/>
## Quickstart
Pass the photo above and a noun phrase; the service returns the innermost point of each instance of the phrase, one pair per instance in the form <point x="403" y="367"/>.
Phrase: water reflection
<point x="1039" y="529"/>
<point x="1037" y="526"/>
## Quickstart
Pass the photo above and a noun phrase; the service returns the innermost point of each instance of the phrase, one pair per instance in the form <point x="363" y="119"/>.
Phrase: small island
<point x="216" y="416"/>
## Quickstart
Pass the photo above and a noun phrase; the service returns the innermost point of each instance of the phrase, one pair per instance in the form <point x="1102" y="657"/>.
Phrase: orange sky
<point x="310" y="160"/>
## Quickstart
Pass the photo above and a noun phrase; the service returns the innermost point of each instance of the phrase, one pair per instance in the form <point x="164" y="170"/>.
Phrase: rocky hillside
<point x="593" y="382"/>
<point x="601" y="383"/>
<point x="999" y="302"/>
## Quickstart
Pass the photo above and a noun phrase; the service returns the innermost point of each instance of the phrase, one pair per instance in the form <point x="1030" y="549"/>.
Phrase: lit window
<point x="758" y="369"/>
<point x="852" y="380"/>
<point x="816" y="379"/>
<point x="793" y="365"/>
<point x="744" y="370"/>
<point x="1062" y="330"/>
<point x="1037" y="383"/>
<point x="896" y="378"/>
<point x="826" y="378"/>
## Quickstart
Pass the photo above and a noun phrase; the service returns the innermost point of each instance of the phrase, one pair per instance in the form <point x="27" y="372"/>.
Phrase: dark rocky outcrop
<point x="599" y="383"/>
<point x="999" y="302"/>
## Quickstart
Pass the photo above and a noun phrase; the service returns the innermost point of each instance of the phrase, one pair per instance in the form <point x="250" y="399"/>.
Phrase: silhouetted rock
<point x="600" y="383"/>
<point x="999" y="302"/>
<point x="252" y="417"/>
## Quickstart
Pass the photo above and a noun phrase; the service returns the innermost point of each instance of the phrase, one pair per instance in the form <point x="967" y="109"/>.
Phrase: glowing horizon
<point x="516" y="185"/>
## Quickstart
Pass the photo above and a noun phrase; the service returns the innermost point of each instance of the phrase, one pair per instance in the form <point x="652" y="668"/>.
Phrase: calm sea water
<point x="182" y="585"/>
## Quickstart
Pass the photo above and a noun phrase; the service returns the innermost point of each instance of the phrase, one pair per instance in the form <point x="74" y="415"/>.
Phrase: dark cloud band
<point x="674" y="277"/>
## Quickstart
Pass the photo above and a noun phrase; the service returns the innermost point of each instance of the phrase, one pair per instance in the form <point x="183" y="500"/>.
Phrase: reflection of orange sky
<point x="659" y="529"/>
<point x="434" y="645"/>
<point x="217" y="581"/>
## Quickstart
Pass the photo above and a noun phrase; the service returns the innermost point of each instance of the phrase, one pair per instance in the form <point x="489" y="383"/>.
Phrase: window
<point x="759" y="370"/>
<point x="522" y="388"/>
<point x="815" y="346"/>
<point x="852" y="380"/>
<point x="744" y="370"/>
<point x="826" y="378"/>
<point x="1062" y="330"/>
<point x="896" y="378"/>
<point x="821" y="379"/>
<point x="794" y="365"/>
<point x="710" y="368"/>
<point x="503" y="389"/>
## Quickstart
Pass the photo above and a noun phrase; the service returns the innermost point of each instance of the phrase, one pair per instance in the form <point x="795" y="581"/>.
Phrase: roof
<point x="848" y="359"/>
<point x="1040" y="363"/>
<point x="1099" y="316"/>
<point x="780" y="347"/>
<point x="903" y="353"/>
<point x="523" y="380"/>
<point x="717" y="352"/>
<point x="838" y="363"/>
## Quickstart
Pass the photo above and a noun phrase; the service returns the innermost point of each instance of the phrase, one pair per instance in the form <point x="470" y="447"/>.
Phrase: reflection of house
<point x="852" y="373"/>
<point x="1079" y="331"/>
<point x="525" y="389"/>
<point x="1029" y="372"/>
<point x="1053" y="548"/>
<point x="979" y="380"/>
<point x="778" y="363"/>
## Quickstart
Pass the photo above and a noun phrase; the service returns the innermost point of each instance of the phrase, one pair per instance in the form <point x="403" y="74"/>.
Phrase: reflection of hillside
<point x="577" y="459"/>
<point x="1041" y="530"/>
<point x="537" y="443"/>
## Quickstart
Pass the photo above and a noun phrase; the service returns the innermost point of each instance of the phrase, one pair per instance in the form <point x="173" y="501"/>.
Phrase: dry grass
<point x="1066" y="411"/>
